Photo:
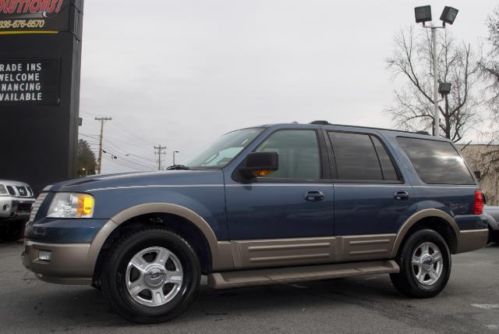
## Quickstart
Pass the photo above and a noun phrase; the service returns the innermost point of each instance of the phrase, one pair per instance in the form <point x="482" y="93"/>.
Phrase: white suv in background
<point x="16" y="199"/>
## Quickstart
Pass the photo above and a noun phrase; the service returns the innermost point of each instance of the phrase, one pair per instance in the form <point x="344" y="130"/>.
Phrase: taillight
<point x="478" y="203"/>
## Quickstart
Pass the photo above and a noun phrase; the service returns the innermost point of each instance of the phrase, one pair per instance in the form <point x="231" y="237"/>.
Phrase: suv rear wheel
<point x="425" y="265"/>
<point x="151" y="276"/>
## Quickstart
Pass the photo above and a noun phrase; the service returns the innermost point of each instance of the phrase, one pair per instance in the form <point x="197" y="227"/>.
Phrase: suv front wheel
<point x="151" y="276"/>
<point x="425" y="265"/>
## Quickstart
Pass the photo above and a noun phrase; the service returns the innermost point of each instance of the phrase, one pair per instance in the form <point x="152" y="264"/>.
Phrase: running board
<point x="235" y="279"/>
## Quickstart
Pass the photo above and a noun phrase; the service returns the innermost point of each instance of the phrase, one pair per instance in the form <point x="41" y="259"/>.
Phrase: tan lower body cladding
<point x="303" y="251"/>
<point x="285" y="275"/>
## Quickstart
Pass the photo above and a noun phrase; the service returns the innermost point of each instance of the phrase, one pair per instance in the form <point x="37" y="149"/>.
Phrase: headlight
<point x="71" y="205"/>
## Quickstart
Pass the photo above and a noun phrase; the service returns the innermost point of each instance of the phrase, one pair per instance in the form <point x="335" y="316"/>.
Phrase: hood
<point x="173" y="177"/>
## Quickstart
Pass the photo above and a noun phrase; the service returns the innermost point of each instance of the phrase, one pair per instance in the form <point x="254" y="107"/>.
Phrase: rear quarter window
<point x="436" y="162"/>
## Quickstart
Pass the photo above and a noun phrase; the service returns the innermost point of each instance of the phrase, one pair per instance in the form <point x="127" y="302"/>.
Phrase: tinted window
<point x="356" y="157"/>
<point x="225" y="149"/>
<point x="387" y="167"/>
<point x="298" y="152"/>
<point x="436" y="161"/>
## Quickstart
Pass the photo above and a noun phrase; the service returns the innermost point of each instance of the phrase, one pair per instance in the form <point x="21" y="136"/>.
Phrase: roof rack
<point x="320" y="122"/>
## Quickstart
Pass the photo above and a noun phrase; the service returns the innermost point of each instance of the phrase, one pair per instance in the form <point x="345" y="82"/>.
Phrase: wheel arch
<point x="434" y="219"/>
<point x="176" y="218"/>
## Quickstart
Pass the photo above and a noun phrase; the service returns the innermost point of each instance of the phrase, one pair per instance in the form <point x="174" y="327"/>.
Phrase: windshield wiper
<point x="177" y="167"/>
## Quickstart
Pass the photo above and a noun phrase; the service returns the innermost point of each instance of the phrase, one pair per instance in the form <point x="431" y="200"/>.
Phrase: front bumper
<point x="68" y="264"/>
<point x="73" y="244"/>
<point x="15" y="208"/>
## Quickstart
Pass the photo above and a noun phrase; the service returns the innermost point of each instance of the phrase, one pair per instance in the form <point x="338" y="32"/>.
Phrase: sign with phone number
<point x="34" y="15"/>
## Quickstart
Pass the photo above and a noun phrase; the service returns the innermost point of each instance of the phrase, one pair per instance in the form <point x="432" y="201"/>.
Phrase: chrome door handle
<point x="314" y="196"/>
<point x="401" y="195"/>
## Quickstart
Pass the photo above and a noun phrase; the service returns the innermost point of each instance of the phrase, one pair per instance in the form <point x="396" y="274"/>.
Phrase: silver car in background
<point x="16" y="199"/>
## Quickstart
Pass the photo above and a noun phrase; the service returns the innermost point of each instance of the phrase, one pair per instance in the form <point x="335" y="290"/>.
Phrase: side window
<point x="298" y="152"/>
<point x="436" y="161"/>
<point x="361" y="157"/>
<point x="387" y="167"/>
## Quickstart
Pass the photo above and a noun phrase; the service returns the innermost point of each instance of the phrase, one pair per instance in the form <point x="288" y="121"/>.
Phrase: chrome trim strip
<point x="278" y="247"/>
<point x="370" y="251"/>
<point x="290" y="257"/>
<point x="239" y="185"/>
<point x="482" y="230"/>
<point x="157" y="186"/>
<point x="447" y="186"/>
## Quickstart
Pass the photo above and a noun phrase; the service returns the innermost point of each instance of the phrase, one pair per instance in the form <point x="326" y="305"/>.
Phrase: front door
<point x="286" y="217"/>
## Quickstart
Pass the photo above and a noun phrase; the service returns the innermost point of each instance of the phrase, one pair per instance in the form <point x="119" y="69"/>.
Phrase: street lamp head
<point x="444" y="88"/>
<point x="448" y="15"/>
<point x="422" y="14"/>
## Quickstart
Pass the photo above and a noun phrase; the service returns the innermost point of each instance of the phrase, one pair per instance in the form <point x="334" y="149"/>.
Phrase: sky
<point x="182" y="73"/>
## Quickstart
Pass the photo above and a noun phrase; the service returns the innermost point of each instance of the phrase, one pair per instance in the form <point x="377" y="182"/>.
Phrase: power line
<point x="88" y="136"/>
<point x="93" y="140"/>
<point x="159" y="150"/>
<point x="129" y="133"/>
<point x="101" y="120"/>
<point x="130" y="163"/>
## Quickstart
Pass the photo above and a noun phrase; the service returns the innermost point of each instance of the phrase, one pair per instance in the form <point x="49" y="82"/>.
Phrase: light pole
<point x="174" y="152"/>
<point x="423" y="15"/>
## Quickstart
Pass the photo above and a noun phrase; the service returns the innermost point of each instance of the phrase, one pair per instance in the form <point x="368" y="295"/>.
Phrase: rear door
<point x="370" y="195"/>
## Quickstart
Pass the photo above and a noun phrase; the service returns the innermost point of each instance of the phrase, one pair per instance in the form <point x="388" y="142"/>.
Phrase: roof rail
<point x="320" y="122"/>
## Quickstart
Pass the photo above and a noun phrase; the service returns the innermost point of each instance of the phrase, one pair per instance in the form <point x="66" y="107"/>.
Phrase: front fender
<point x="221" y="258"/>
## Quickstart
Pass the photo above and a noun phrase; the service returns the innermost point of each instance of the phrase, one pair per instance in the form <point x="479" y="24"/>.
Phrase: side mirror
<point x="259" y="164"/>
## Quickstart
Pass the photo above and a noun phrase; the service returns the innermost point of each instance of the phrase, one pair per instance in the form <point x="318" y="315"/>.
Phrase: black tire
<point x="13" y="231"/>
<point x="406" y="281"/>
<point x="493" y="237"/>
<point x="114" y="286"/>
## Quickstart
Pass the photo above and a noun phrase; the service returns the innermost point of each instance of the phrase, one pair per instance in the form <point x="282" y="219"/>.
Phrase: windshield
<point x="225" y="149"/>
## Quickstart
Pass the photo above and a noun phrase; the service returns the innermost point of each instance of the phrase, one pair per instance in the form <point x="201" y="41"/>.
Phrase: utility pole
<point x="174" y="152"/>
<point x="159" y="150"/>
<point x="101" y="120"/>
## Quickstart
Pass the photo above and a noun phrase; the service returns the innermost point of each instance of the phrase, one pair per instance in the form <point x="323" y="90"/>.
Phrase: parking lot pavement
<point x="469" y="304"/>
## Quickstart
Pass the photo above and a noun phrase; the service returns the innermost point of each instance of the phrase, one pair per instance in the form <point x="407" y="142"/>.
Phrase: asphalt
<point x="469" y="304"/>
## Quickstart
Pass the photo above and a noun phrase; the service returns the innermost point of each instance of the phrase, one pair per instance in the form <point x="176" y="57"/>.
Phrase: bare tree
<point x="489" y="64"/>
<point x="413" y="61"/>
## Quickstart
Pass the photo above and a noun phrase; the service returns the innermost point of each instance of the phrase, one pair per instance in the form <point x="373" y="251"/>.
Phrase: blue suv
<point x="263" y="205"/>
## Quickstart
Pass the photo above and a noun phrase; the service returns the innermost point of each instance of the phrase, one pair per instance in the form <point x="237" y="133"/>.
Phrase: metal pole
<point x="436" y="112"/>
<point x="174" y="152"/>
<point x="99" y="159"/>
<point x="160" y="151"/>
